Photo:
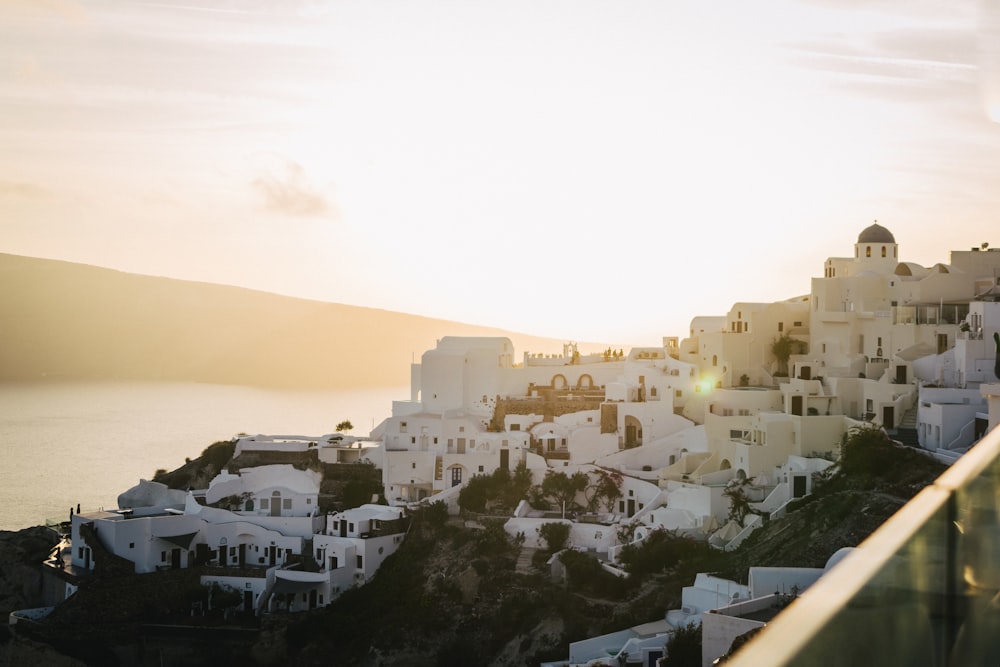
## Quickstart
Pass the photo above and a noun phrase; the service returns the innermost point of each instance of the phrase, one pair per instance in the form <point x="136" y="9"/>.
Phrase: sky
<point x="589" y="170"/>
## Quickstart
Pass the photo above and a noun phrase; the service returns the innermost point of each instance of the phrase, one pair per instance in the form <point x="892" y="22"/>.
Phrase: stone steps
<point x="524" y="560"/>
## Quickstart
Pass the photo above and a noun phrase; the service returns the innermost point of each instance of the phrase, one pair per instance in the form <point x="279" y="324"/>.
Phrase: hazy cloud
<point x="71" y="10"/>
<point x="19" y="189"/>
<point x="291" y="194"/>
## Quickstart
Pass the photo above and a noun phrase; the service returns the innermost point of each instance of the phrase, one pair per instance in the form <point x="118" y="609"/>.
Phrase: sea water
<point x="64" y="444"/>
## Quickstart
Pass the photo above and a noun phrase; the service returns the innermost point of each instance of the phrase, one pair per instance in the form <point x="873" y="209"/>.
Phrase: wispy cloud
<point x="290" y="193"/>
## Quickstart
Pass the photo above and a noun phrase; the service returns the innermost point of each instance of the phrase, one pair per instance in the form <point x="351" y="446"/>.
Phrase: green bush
<point x="586" y="576"/>
<point x="555" y="534"/>
<point x="499" y="488"/>
<point x="359" y="491"/>
<point x="684" y="647"/>
<point x="659" y="551"/>
<point x="218" y="454"/>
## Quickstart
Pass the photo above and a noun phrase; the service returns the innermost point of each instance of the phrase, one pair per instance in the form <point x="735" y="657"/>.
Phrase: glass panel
<point x="924" y="589"/>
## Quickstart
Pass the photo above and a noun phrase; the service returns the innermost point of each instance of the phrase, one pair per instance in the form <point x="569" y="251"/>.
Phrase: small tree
<point x="739" y="503"/>
<point x="555" y="534"/>
<point x="608" y="487"/>
<point x="475" y="493"/>
<point x="345" y="426"/>
<point x="563" y="488"/>
<point x="782" y="348"/>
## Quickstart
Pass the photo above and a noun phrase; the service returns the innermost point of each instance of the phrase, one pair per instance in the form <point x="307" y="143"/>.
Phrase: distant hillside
<point x="65" y="320"/>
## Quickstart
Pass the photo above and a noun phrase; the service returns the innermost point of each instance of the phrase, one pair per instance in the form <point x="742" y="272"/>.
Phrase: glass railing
<point x="924" y="589"/>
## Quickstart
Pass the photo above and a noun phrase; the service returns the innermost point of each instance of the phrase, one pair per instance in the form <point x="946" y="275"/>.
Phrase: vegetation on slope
<point x="197" y="473"/>
<point x="872" y="480"/>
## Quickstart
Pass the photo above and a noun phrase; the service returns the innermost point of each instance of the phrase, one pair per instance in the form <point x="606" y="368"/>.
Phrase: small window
<point x="402" y="427"/>
<point x="515" y="427"/>
<point x="286" y="503"/>
<point x="781" y="326"/>
<point x="413" y="465"/>
<point x="883" y="251"/>
<point x="461" y="429"/>
<point x="868" y="251"/>
<point x="360" y="562"/>
<point x="163" y="556"/>
<point x="131" y="545"/>
<point x="413" y="439"/>
<point x="309" y="501"/>
<point x="265" y="503"/>
<point x="678" y="393"/>
<point x="480" y="468"/>
<point x="796" y="324"/>
<point x="435" y="440"/>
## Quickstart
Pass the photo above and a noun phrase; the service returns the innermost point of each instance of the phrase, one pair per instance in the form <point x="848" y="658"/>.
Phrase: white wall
<point x="719" y="629"/>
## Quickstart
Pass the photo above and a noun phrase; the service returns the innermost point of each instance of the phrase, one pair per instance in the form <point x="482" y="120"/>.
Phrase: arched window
<point x="883" y="251"/>
<point x="715" y="360"/>
<point x="868" y="251"/>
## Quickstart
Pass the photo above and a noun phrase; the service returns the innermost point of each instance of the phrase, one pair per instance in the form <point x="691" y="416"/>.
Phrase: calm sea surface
<point x="63" y="443"/>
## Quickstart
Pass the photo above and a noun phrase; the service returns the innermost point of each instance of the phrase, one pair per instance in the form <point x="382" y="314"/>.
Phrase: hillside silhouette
<point x="74" y="321"/>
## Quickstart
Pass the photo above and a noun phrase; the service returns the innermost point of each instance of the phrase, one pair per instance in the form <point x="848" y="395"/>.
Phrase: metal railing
<point x="924" y="589"/>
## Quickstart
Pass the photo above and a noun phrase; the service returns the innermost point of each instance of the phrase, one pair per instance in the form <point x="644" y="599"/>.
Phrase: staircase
<point x="906" y="432"/>
<point x="524" y="560"/>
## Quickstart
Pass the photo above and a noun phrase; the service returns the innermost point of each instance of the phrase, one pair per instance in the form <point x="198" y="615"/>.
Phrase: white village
<point x="751" y="403"/>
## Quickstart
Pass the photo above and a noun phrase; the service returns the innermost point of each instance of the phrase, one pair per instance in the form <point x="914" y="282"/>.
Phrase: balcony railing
<point x="924" y="589"/>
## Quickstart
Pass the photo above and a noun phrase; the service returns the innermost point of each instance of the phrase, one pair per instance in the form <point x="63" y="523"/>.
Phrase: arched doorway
<point x="633" y="432"/>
